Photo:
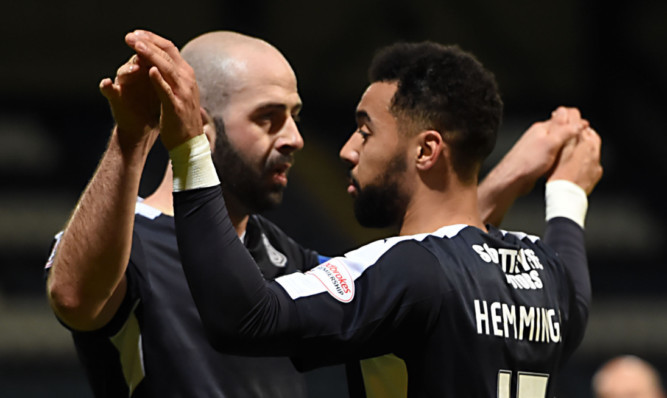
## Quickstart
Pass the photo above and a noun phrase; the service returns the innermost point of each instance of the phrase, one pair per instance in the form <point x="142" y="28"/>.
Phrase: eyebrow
<point x="276" y="106"/>
<point x="362" y="117"/>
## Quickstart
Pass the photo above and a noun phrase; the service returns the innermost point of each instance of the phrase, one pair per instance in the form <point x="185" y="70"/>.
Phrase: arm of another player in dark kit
<point x="577" y="172"/>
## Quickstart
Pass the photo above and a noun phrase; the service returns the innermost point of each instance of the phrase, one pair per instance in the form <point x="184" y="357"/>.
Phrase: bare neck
<point x="163" y="200"/>
<point x="432" y="209"/>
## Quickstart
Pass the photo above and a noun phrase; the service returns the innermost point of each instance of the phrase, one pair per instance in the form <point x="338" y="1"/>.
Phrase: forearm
<point x="228" y="289"/>
<point x="234" y="302"/>
<point x="91" y="258"/>
<point x="566" y="210"/>
<point x="501" y="187"/>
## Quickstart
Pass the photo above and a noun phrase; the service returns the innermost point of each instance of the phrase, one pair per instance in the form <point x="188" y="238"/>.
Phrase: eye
<point x="364" y="134"/>
<point x="296" y="117"/>
<point x="266" y="117"/>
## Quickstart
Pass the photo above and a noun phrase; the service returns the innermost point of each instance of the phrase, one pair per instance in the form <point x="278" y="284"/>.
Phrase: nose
<point x="349" y="153"/>
<point x="290" y="139"/>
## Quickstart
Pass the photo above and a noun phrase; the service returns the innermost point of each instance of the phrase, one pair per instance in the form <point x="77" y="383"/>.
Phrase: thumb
<point x="108" y="90"/>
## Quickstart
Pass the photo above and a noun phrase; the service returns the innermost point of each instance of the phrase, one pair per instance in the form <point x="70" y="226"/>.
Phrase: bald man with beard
<point x="115" y="279"/>
<point x="114" y="275"/>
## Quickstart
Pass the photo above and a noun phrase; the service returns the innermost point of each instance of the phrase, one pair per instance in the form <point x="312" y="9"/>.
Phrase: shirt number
<point x="528" y="385"/>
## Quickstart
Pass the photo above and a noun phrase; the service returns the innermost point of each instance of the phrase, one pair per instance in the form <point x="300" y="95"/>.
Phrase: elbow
<point x="228" y="340"/>
<point x="74" y="308"/>
<point x="61" y="298"/>
<point x="65" y="302"/>
<point x="223" y="338"/>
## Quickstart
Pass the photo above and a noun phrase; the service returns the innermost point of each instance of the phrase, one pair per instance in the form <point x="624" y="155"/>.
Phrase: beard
<point x="382" y="203"/>
<point x="239" y="179"/>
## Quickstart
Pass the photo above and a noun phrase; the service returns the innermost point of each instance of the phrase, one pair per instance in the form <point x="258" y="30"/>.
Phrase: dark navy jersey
<point x="471" y="313"/>
<point x="155" y="345"/>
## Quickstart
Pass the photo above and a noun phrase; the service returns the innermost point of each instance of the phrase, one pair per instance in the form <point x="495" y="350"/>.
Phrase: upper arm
<point x="370" y="316"/>
<point x="567" y="239"/>
<point x="75" y="320"/>
<point x="69" y="305"/>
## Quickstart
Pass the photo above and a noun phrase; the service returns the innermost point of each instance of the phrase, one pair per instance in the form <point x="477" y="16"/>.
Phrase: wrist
<point x="566" y="199"/>
<point x="135" y="142"/>
<point x="192" y="165"/>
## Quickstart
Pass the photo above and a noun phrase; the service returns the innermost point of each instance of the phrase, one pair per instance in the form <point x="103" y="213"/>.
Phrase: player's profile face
<point x="261" y="136"/>
<point x="376" y="155"/>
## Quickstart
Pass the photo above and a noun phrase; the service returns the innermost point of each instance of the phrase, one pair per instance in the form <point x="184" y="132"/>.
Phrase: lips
<point x="277" y="168"/>
<point x="353" y="185"/>
<point x="279" y="173"/>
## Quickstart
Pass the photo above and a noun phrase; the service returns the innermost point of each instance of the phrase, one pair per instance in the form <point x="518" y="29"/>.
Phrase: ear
<point x="209" y="126"/>
<point x="430" y="147"/>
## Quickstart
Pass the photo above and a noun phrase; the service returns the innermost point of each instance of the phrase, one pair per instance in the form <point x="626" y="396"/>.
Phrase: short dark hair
<point x="446" y="89"/>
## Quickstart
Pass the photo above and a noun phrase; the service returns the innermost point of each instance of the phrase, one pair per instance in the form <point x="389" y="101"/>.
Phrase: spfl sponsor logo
<point x="336" y="278"/>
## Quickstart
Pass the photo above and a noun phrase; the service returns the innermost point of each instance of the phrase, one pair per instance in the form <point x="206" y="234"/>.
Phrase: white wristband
<point x="192" y="165"/>
<point x="566" y="199"/>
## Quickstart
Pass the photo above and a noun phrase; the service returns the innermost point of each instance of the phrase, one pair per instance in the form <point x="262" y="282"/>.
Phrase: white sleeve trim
<point x="192" y="165"/>
<point x="566" y="199"/>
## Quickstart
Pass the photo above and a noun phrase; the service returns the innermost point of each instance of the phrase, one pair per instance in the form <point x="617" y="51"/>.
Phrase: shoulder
<point x="529" y="241"/>
<point x="398" y="266"/>
<point x="146" y="211"/>
<point x="391" y="250"/>
<point x="411" y="257"/>
<point x="278" y="237"/>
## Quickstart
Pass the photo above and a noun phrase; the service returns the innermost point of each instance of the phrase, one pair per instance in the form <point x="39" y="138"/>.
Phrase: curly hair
<point x="446" y="89"/>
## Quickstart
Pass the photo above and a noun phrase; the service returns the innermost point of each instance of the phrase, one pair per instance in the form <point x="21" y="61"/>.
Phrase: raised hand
<point x="175" y="85"/>
<point x="579" y="161"/>
<point x="133" y="101"/>
<point x="535" y="154"/>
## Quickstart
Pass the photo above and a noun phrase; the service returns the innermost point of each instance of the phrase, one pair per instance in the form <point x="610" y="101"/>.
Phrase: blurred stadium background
<point x="609" y="60"/>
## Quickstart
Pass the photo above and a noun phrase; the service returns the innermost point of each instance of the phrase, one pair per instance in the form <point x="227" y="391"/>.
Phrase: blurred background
<point x="610" y="61"/>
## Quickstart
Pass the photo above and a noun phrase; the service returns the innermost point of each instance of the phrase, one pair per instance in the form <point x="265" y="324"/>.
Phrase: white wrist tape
<point x="192" y="165"/>
<point x="566" y="199"/>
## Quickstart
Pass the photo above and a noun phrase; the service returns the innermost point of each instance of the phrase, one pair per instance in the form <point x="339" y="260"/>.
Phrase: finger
<point x="163" y="47"/>
<point x="559" y="115"/>
<point x="158" y="58"/>
<point x="158" y="46"/>
<point x="139" y="62"/>
<point x="562" y="132"/>
<point x="569" y="146"/>
<point x="108" y="90"/>
<point x="105" y="83"/>
<point x="564" y="114"/>
<point x="127" y="72"/>
<point x="593" y="138"/>
<point x="162" y="88"/>
<point x="590" y="133"/>
<point x="131" y="39"/>
<point x="164" y="44"/>
<point x="573" y="114"/>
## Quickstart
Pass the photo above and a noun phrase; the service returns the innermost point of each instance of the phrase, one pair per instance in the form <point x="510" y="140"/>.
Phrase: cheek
<point x="250" y="142"/>
<point x="368" y="166"/>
